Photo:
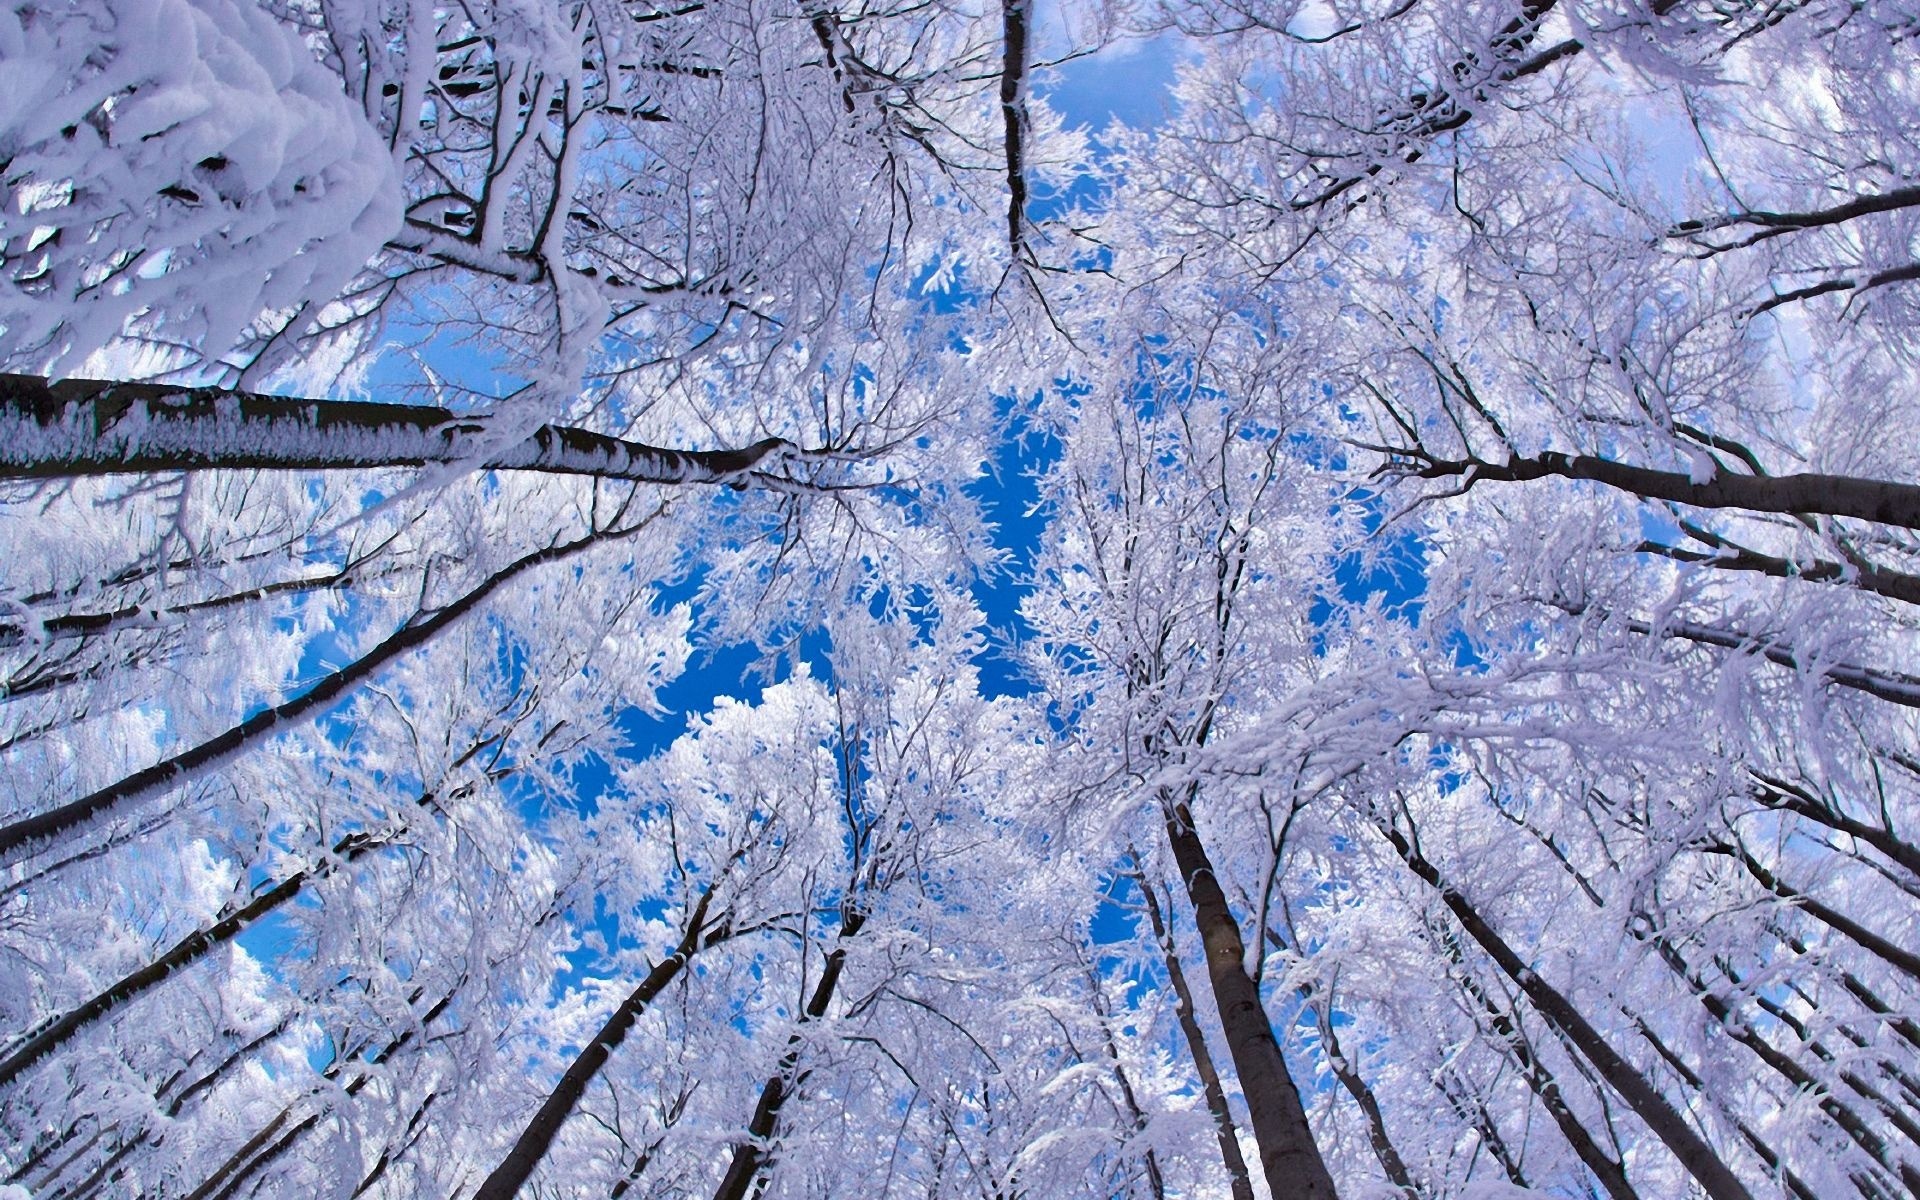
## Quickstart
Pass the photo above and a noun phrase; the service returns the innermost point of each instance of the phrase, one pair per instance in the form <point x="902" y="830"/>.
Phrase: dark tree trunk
<point x="1606" y="1168"/>
<point x="1238" y="1182"/>
<point x="752" y="1156"/>
<point x="155" y="781"/>
<point x="531" y="1146"/>
<point x="1694" y="1154"/>
<point x="273" y="1138"/>
<point x="184" y="953"/>
<point x="1288" y="1156"/>
<point x="94" y="427"/>
<point x="1881" y="500"/>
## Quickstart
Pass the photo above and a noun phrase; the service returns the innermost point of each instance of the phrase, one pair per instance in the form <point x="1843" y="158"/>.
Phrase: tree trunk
<point x="532" y="1145"/>
<point x="157" y="780"/>
<point x="268" y="1143"/>
<point x="1606" y="1168"/>
<point x="184" y="953"/>
<point x="1288" y="1156"/>
<point x="1666" y="1124"/>
<point x="1880" y="500"/>
<point x="753" y="1156"/>
<point x="1238" y="1182"/>
<point x="95" y="427"/>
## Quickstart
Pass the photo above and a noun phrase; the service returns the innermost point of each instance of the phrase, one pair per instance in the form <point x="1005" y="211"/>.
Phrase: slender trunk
<point x="1349" y="1077"/>
<point x="1605" y="1167"/>
<point x="1894" y="956"/>
<point x="1694" y="1154"/>
<point x="1237" y="1180"/>
<point x="269" y="1142"/>
<point x="95" y="427"/>
<point x="1768" y="1155"/>
<point x="390" y="1155"/>
<point x="1013" y="114"/>
<point x="1795" y="1075"/>
<point x="1473" y="1110"/>
<point x="184" y="953"/>
<point x="90" y="625"/>
<point x="1895" y="585"/>
<point x="1288" y="1156"/>
<point x="1783" y="794"/>
<point x="157" y="780"/>
<point x="754" y="1156"/>
<point x="532" y="1144"/>
<point x="106" y="1172"/>
<point x="1156" y="1181"/>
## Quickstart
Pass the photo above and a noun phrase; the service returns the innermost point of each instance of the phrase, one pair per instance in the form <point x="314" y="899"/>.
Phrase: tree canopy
<point x="749" y="598"/>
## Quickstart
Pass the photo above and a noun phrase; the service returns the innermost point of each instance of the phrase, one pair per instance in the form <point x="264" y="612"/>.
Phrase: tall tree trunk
<point x="1237" y="1181"/>
<point x="1642" y="1097"/>
<point x="273" y="1138"/>
<point x="1895" y="956"/>
<point x="532" y="1144"/>
<point x="1797" y="1076"/>
<point x="157" y="780"/>
<point x="95" y="427"/>
<point x="1884" y="501"/>
<point x="184" y="953"/>
<point x="1356" y="1087"/>
<point x="1606" y="1167"/>
<point x="1288" y="1156"/>
<point x="753" y="1156"/>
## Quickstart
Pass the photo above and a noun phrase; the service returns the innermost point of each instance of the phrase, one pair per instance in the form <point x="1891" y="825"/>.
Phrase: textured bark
<point x="754" y="1156"/>
<point x="1643" y="1098"/>
<point x="1013" y="112"/>
<point x="534" y="1141"/>
<point x="155" y="781"/>
<point x="1288" y="1156"/>
<point x="94" y="427"/>
<point x="1237" y="1180"/>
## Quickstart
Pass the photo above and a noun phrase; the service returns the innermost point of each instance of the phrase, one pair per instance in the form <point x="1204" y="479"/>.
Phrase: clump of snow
<point x="181" y="164"/>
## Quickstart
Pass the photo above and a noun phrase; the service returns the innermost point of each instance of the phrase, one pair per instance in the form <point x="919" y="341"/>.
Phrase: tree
<point x="1449" y="726"/>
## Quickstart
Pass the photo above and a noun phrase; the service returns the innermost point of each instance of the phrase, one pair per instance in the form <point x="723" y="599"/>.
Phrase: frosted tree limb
<point x="81" y="427"/>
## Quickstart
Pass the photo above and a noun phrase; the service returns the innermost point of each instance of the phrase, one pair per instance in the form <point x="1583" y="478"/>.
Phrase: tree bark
<point x="532" y="1145"/>
<point x="1238" y="1182"/>
<point x="95" y="427"/>
<point x="1288" y="1156"/>
<point x="1694" y="1154"/>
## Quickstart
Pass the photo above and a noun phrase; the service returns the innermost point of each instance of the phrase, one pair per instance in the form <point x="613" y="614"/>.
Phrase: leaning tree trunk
<point x="184" y="953"/>
<point x="157" y="780"/>
<point x="752" y="1157"/>
<point x="93" y="427"/>
<point x="1642" y="1097"/>
<point x="1288" y="1156"/>
<point x="534" y="1141"/>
